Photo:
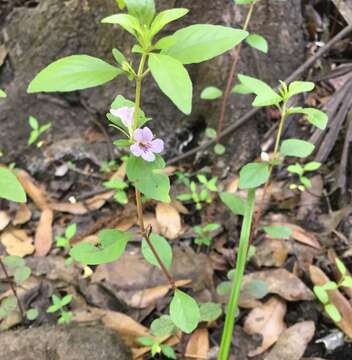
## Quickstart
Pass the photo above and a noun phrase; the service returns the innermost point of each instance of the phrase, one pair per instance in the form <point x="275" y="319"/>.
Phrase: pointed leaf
<point x="128" y="22"/>
<point x="253" y="175"/>
<point x="258" y="42"/>
<point x="296" y="148"/>
<point x="162" y="248"/>
<point x="10" y="188"/>
<point x="143" y="10"/>
<point x="298" y="87"/>
<point x="233" y="202"/>
<point x="314" y="116"/>
<point x="165" y="17"/>
<point x="74" y="72"/>
<point x="211" y="93"/>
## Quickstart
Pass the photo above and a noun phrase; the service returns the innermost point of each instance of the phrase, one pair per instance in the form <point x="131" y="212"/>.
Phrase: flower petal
<point x="136" y="150"/>
<point x="147" y="134"/>
<point x="157" y="146"/>
<point x="138" y="135"/>
<point x="126" y="115"/>
<point x="148" y="156"/>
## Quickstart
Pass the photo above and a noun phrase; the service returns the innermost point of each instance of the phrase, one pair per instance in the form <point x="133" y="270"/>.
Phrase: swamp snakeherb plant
<point x="165" y="59"/>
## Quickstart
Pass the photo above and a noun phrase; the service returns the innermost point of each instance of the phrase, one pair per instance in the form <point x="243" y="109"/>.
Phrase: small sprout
<point x="108" y="166"/>
<point x="37" y="130"/>
<point x="32" y="314"/>
<point x="64" y="241"/>
<point x="58" y="305"/>
<point x="204" y="234"/>
<point x="299" y="170"/>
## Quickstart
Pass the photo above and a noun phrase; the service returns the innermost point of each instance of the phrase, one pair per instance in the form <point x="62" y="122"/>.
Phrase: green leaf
<point x="146" y="341"/>
<point x="278" y="232"/>
<point x="224" y="288"/>
<point x="2" y="94"/>
<point x="314" y="116"/>
<point x="128" y="22"/>
<point x="22" y="274"/>
<point x="296" y="148"/>
<point x="148" y="179"/>
<point x="118" y="56"/>
<point x="13" y="262"/>
<point x="66" y="300"/>
<point x="296" y="169"/>
<point x="253" y="175"/>
<point x="70" y="231"/>
<point x="244" y="2"/>
<point x="168" y="351"/>
<point x="184" y="312"/>
<point x="211" y="93"/>
<point x="333" y="312"/>
<point x="121" y="197"/>
<point x="117" y="184"/>
<point x="257" y="289"/>
<point x="312" y="166"/>
<point x="201" y="42"/>
<point x="306" y="182"/>
<point x="112" y="246"/>
<point x="121" y="4"/>
<point x="347" y="282"/>
<point x="162" y="248"/>
<point x="330" y="285"/>
<point x="257" y="42"/>
<point x="162" y="327"/>
<point x="74" y="72"/>
<point x="165" y="17"/>
<point x="241" y="89"/>
<point x="10" y="188"/>
<point x="321" y="294"/>
<point x="173" y="80"/>
<point x="210" y="311"/>
<point x="219" y="149"/>
<point x="233" y="202"/>
<point x="33" y="122"/>
<point x="210" y="133"/>
<point x="8" y="305"/>
<point x="266" y="96"/>
<point x="341" y="267"/>
<point x="165" y="42"/>
<point x="298" y="87"/>
<point x="143" y="10"/>
<point x="32" y="314"/>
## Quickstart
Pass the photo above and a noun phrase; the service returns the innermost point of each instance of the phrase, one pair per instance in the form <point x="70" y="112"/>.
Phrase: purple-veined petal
<point x="157" y="146"/>
<point x="138" y="135"/>
<point x="136" y="150"/>
<point x="148" y="156"/>
<point x="147" y="134"/>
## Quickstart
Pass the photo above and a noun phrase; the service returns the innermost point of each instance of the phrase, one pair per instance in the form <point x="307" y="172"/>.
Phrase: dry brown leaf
<point x="198" y="345"/>
<point x="3" y="54"/>
<point x="280" y="282"/>
<point x="126" y="222"/>
<point x="293" y="342"/>
<point x="37" y="194"/>
<point x="179" y="206"/>
<point x="128" y="328"/>
<point x="271" y="253"/>
<point x="120" y="173"/>
<point x="17" y="242"/>
<point x="301" y="235"/>
<point x="319" y="278"/>
<point x="44" y="234"/>
<point x="144" y="298"/>
<point x="81" y="208"/>
<point x="169" y="220"/>
<point x="268" y="321"/>
<point x="23" y="215"/>
<point x="4" y="220"/>
<point x="150" y="220"/>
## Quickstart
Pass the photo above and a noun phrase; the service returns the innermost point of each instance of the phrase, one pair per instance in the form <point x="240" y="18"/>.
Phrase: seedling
<point x="37" y="131"/>
<point x="204" y="234"/>
<point x="120" y="186"/>
<point x="304" y="181"/>
<point x="64" y="241"/>
<point x="59" y="305"/>
<point x="108" y="166"/>
<point x="322" y="292"/>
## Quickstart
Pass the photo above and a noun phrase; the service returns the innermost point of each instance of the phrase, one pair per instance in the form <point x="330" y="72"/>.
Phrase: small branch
<point x="243" y="119"/>
<point x="13" y="288"/>
<point x="232" y="73"/>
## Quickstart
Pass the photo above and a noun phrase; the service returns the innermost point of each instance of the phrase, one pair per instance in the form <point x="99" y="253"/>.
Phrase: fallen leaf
<point x="150" y="220"/>
<point x="4" y="220"/>
<point x="17" y="242"/>
<point x="319" y="278"/>
<point x="23" y="215"/>
<point x="120" y="173"/>
<point x="301" y="235"/>
<point x="198" y="345"/>
<point x="179" y="206"/>
<point x="81" y="208"/>
<point x="293" y="342"/>
<point x="37" y="194"/>
<point x="271" y="253"/>
<point x="44" y="234"/>
<point x="169" y="220"/>
<point x="280" y="282"/>
<point x="144" y="298"/>
<point x="268" y="321"/>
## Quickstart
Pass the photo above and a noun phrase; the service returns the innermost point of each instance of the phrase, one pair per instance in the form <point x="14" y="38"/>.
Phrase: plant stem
<point x="230" y="78"/>
<point x="266" y="186"/>
<point x="145" y="234"/>
<point x="13" y="288"/>
<point x="232" y="307"/>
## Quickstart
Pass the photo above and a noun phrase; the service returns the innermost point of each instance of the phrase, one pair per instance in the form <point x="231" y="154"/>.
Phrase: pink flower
<point x="145" y="146"/>
<point x="126" y="114"/>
